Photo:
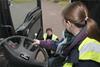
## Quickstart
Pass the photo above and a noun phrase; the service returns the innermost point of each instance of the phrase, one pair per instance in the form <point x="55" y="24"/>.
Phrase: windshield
<point x="19" y="9"/>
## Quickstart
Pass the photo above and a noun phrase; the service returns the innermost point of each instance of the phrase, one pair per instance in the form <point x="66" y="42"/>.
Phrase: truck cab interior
<point x="22" y="27"/>
<point x="16" y="35"/>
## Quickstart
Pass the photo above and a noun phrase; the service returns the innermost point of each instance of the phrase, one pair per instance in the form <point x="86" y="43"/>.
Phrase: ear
<point x="69" y="23"/>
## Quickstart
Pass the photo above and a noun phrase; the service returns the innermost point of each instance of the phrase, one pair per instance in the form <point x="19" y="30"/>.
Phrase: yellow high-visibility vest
<point x="54" y="37"/>
<point x="89" y="49"/>
<point x="68" y="65"/>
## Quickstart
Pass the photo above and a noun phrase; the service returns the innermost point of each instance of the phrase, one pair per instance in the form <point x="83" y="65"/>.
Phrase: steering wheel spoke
<point x="35" y="52"/>
<point x="30" y="47"/>
<point x="22" y="41"/>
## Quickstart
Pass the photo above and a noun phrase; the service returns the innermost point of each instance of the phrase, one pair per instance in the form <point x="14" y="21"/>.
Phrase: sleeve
<point x="49" y="44"/>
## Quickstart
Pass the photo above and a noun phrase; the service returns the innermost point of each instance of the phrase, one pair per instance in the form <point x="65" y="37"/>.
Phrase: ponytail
<point x="93" y="29"/>
<point x="77" y="13"/>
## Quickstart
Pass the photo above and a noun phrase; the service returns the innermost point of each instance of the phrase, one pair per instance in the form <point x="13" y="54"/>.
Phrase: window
<point x="19" y="9"/>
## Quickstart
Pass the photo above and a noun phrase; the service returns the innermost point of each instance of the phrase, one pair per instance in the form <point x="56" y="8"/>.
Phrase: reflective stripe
<point x="54" y="37"/>
<point x="45" y="36"/>
<point x="88" y="40"/>
<point x="68" y="65"/>
<point x="89" y="50"/>
<point x="90" y="47"/>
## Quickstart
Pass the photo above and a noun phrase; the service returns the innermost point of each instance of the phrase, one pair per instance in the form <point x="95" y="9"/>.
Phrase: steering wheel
<point x="20" y="49"/>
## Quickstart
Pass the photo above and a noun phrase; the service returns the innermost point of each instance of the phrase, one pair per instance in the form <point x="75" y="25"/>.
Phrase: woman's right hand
<point x="36" y="42"/>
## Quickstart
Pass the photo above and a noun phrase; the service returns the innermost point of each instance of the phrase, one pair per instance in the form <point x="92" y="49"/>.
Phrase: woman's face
<point x="72" y="28"/>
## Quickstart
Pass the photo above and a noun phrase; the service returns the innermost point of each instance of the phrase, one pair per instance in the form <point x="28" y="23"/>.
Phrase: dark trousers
<point x="49" y="53"/>
<point x="56" y="61"/>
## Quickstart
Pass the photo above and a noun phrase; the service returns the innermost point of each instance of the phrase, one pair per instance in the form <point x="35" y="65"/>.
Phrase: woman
<point x="84" y="49"/>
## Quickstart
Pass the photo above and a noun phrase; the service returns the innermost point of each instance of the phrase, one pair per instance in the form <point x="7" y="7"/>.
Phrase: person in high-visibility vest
<point x="85" y="44"/>
<point x="49" y="35"/>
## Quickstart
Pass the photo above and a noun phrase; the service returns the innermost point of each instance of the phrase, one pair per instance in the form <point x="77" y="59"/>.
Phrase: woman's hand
<point x="36" y="42"/>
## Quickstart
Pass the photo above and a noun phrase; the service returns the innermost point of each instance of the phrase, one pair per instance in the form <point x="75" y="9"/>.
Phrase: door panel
<point x="19" y="9"/>
<point x="27" y="17"/>
<point x="32" y="25"/>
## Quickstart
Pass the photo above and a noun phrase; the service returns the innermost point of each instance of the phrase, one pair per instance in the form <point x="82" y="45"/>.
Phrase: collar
<point x="77" y="40"/>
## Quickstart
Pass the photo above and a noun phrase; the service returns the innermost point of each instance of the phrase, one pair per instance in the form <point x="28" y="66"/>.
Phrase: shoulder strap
<point x="78" y="39"/>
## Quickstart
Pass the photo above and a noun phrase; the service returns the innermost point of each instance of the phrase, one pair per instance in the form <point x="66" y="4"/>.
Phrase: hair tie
<point x="86" y="18"/>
